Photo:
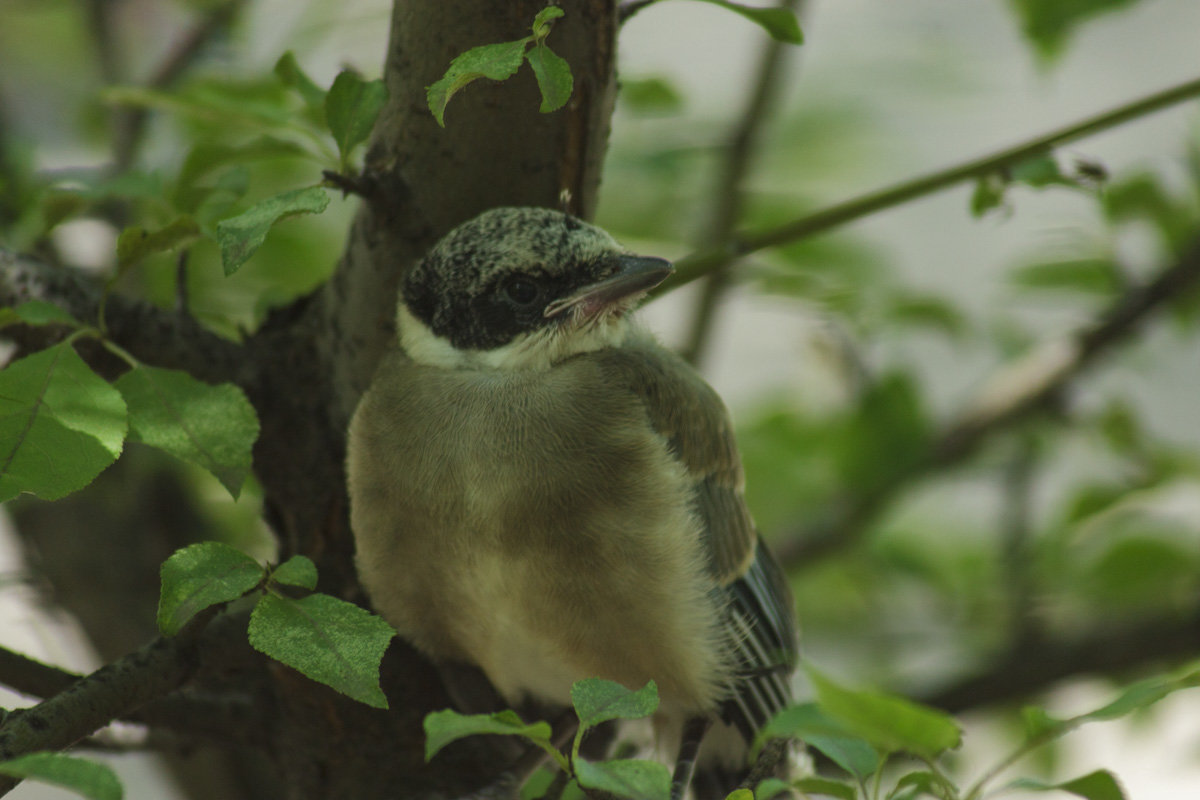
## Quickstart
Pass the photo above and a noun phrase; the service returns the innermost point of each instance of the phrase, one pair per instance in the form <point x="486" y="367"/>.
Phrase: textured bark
<point x="306" y="367"/>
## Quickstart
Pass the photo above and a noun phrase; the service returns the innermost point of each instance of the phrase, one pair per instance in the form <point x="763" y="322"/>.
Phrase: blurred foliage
<point x="945" y="576"/>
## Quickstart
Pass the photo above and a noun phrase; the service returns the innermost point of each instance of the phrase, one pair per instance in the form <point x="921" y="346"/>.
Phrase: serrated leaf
<point x="296" y="571"/>
<point x="351" y="108"/>
<point x="60" y="424"/>
<point x="597" y="700"/>
<point x="213" y="427"/>
<point x="288" y="70"/>
<point x="498" y="62"/>
<point x="136" y="243"/>
<point x="79" y="775"/>
<point x="444" y="727"/>
<point x="36" y="312"/>
<point x="631" y="778"/>
<point x="553" y="77"/>
<point x="328" y="640"/>
<point x="891" y="723"/>
<point x="805" y="721"/>
<point x="200" y="576"/>
<point x="779" y="22"/>
<point x="239" y="237"/>
<point x="1098" y="785"/>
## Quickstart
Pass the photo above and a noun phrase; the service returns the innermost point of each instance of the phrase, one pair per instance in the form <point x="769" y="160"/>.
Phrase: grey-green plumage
<point x="542" y="490"/>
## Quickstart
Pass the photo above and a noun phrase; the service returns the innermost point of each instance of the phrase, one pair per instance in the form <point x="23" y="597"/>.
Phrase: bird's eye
<point x="522" y="292"/>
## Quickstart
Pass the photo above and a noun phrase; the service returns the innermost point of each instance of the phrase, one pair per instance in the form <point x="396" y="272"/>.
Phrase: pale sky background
<point x="892" y="52"/>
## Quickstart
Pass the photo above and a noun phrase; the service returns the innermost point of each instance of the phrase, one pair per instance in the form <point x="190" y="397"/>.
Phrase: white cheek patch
<point x="539" y="350"/>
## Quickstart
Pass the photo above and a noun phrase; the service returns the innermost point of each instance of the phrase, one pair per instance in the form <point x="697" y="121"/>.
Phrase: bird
<point x="542" y="490"/>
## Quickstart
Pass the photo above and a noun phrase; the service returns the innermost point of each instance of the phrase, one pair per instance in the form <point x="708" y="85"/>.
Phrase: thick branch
<point x="92" y="702"/>
<point x="705" y="261"/>
<point x="1036" y="664"/>
<point x="158" y="337"/>
<point x="1011" y="396"/>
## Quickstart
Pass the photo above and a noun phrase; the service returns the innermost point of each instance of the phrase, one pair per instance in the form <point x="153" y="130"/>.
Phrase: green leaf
<point x="921" y="783"/>
<point x="653" y="95"/>
<point x="927" y="311"/>
<point x="553" y="77"/>
<point x="1142" y="694"/>
<point x="444" y="727"/>
<point x="351" y="108"/>
<point x="1098" y="785"/>
<point x="632" y="778"/>
<point x="1048" y="24"/>
<point x="36" y="312"/>
<point x="889" y="722"/>
<point x="207" y="157"/>
<point x="199" y="576"/>
<point x="597" y="700"/>
<point x="495" y="61"/>
<point x="211" y="426"/>
<point x="329" y="640"/>
<point x="885" y="435"/>
<point x="60" y="424"/>
<point x="805" y="721"/>
<point x="296" y="571"/>
<point x="239" y="237"/>
<point x="779" y="22"/>
<point x="1097" y="276"/>
<point x="541" y="23"/>
<point x="824" y="787"/>
<point x="288" y="70"/>
<point x="136" y="243"/>
<point x="79" y="775"/>
<point x="988" y="194"/>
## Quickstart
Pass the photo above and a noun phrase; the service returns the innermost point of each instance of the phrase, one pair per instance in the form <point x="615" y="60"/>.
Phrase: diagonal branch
<point x="727" y="196"/>
<point x="1033" y="665"/>
<point x="112" y="691"/>
<point x="129" y="123"/>
<point x="1013" y="394"/>
<point x="708" y="260"/>
<point x="162" y="338"/>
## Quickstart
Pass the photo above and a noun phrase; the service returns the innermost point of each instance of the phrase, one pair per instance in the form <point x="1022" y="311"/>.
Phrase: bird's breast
<point x="534" y="525"/>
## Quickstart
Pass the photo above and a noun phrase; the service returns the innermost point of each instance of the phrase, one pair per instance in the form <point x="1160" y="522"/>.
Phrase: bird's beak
<point x="635" y="276"/>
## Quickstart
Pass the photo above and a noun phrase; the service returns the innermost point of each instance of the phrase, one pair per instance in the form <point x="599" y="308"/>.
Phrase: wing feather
<point x="759" y="611"/>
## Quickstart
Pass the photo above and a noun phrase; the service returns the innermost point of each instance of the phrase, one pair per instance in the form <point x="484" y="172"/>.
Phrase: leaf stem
<point x="708" y="260"/>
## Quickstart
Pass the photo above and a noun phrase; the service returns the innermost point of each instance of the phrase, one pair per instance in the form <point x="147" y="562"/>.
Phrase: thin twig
<point x="1016" y="392"/>
<point x="129" y="122"/>
<point x="727" y="194"/>
<point x="705" y="261"/>
<point x="1016" y="518"/>
<point x="30" y="676"/>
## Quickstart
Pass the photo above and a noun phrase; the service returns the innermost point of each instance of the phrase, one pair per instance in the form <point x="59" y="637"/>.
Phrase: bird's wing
<point x="760" y="613"/>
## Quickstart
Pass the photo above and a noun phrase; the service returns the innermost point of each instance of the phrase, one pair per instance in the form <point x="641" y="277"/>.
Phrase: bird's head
<point x="521" y="288"/>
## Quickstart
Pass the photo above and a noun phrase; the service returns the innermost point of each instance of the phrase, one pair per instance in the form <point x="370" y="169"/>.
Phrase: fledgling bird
<point x="540" y="489"/>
